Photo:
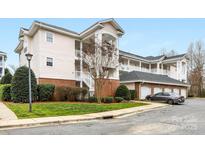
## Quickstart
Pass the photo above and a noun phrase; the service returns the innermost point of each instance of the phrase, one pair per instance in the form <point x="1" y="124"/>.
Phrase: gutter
<point x="143" y="81"/>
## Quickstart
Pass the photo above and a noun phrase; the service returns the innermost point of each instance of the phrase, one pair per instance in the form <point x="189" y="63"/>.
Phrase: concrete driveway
<point x="188" y="118"/>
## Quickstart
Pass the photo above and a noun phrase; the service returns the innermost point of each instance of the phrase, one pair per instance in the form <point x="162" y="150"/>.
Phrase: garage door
<point x="176" y="91"/>
<point x="157" y="90"/>
<point x="145" y="91"/>
<point x="183" y="93"/>
<point x="167" y="90"/>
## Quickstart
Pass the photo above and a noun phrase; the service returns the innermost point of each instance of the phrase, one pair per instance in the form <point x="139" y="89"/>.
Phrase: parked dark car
<point x="171" y="98"/>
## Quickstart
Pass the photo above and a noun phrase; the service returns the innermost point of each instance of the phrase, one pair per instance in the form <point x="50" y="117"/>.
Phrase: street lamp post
<point x="29" y="57"/>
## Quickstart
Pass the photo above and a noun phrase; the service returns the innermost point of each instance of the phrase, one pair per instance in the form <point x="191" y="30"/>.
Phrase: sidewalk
<point x="5" y="113"/>
<point x="5" y="124"/>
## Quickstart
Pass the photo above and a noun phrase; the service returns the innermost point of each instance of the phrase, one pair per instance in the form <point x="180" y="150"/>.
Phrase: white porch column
<point x="150" y="69"/>
<point x="128" y="65"/>
<point x="158" y="69"/>
<point x="185" y="67"/>
<point x="179" y="71"/>
<point x="81" y="64"/>
<point x="140" y="66"/>
<point x="162" y="69"/>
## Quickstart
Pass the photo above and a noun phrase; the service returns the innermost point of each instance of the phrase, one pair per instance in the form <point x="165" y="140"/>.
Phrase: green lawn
<point x="62" y="108"/>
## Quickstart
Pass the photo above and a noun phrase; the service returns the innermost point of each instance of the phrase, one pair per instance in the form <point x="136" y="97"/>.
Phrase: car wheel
<point x="170" y="102"/>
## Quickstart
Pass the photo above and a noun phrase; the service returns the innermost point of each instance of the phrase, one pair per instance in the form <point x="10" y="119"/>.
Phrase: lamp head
<point x="29" y="56"/>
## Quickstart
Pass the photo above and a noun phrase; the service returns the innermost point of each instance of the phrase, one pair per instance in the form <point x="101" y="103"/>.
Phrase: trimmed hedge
<point x="108" y="100"/>
<point x="71" y="93"/>
<point x="133" y="94"/>
<point x="118" y="99"/>
<point x="6" y="79"/>
<point x="5" y="92"/>
<point x="123" y="91"/>
<point x="92" y="99"/>
<point x="45" y="92"/>
<point x="20" y="86"/>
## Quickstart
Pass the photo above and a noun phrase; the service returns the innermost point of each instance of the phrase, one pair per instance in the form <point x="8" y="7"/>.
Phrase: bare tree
<point x="196" y="64"/>
<point x="167" y="53"/>
<point x="101" y="59"/>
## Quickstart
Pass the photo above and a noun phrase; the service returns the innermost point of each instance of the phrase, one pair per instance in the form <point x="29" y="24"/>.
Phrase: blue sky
<point x="142" y="36"/>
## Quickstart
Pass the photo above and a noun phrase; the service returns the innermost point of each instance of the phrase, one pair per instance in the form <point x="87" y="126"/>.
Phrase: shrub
<point x="45" y="91"/>
<point x="63" y="93"/>
<point x="20" y="85"/>
<point x="108" y="99"/>
<point x="71" y="93"/>
<point x="6" y="79"/>
<point x="5" y="92"/>
<point x="118" y="99"/>
<point x="78" y="94"/>
<point x="132" y="94"/>
<point x="203" y="93"/>
<point x="122" y="91"/>
<point x="92" y="99"/>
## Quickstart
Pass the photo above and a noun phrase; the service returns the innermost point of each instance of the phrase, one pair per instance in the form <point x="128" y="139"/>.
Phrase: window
<point x="49" y="61"/>
<point x="158" y="94"/>
<point x="166" y="94"/>
<point x="49" y="37"/>
<point x="25" y="50"/>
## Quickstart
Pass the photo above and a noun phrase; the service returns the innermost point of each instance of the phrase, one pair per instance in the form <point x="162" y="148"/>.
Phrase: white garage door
<point x="157" y="90"/>
<point x="183" y="93"/>
<point x="176" y="91"/>
<point x="145" y="91"/>
<point x="167" y="90"/>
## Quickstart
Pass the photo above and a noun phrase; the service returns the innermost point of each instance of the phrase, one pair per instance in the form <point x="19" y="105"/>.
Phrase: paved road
<point x="178" y="119"/>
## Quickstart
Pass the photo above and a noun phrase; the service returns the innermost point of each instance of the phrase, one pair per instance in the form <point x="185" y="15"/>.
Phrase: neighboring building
<point x="149" y="75"/>
<point x="57" y="59"/>
<point x="2" y="63"/>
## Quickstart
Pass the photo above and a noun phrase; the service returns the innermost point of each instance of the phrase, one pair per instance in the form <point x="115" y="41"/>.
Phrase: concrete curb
<point x="8" y="124"/>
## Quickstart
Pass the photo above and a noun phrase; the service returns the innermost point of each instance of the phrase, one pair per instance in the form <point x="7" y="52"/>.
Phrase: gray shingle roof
<point x="1" y="52"/>
<point x="70" y="31"/>
<point x="154" y="58"/>
<point x="131" y="54"/>
<point x="149" y="77"/>
<point x="176" y="56"/>
<point x="150" y="57"/>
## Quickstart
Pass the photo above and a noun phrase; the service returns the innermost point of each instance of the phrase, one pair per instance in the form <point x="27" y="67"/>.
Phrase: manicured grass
<point x="62" y="108"/>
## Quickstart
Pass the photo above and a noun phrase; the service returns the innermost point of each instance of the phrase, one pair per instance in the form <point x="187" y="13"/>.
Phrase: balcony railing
<point x="86" y="77"/>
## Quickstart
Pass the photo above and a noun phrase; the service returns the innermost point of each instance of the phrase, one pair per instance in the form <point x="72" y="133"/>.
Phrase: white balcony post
<point x="150" y="68"/>
<point x="140" y="66"/>
<point x="128" y="64"/>
<point x="162" y="69"/>
<point x="158" y="69"/>
<point x="178" y="67"/>
<point x="81" y="64"/>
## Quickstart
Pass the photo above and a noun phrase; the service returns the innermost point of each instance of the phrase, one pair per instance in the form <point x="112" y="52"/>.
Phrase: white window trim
<point x="47" y="61"/>
<point x="46" y="36"/>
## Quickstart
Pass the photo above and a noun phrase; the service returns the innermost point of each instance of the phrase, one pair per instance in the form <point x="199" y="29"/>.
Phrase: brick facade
<point x="110" y="87"/>
<point x="57" y="82"/>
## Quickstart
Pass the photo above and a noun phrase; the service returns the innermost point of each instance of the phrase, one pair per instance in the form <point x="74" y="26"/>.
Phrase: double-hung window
<point x="49" y="61"/>
<point x="49" y="37"/>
